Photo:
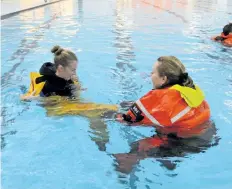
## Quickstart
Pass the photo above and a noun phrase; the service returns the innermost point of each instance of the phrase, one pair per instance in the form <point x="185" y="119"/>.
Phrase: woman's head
<point x="167" y="71"/>
<point x="227" y="29"/>
<point x="65" y="62"/>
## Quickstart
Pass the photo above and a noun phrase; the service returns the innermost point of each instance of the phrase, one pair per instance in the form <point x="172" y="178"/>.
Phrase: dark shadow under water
<point x="163" y="147"/>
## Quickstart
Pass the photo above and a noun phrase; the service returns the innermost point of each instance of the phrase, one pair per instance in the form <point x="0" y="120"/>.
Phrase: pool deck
<point x="12" y="7"/>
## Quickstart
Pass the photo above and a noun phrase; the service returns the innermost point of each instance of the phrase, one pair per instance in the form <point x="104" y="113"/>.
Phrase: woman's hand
<point x="74" y="78"/>
<point x="29" y="97"/>
<point x="126" y="104"/>
<point x="119" y="117"/>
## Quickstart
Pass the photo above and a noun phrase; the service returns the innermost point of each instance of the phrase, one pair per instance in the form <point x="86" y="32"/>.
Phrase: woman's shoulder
<point x="47" y="68"/>
<point x="160" y="94"/>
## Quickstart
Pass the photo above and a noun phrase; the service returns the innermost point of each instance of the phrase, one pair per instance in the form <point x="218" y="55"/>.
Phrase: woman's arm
<point x="29" y="97"/>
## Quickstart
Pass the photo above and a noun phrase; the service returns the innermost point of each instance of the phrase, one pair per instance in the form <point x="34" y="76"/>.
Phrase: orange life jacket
<point x="227" y="39"/>
<point x="168" y="111"/>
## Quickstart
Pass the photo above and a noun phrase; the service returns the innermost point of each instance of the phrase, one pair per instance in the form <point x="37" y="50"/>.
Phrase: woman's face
<point x="68" y="71"/>
<point x="157" y="80"/>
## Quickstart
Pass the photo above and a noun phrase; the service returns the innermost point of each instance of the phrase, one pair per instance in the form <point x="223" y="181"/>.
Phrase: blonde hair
<point x="174" y="70"/>
<point x="62" y="56"/>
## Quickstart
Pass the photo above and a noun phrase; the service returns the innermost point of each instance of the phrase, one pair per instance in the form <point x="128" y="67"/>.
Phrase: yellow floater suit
<point x="62" y="106"/>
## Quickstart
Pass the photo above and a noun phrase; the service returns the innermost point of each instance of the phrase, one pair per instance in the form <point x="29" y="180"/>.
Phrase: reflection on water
<point x="25" y="47"/>
<point x="125" y="56"/>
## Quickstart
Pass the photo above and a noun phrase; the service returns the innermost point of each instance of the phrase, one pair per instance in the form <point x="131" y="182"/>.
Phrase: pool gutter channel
<point x="6" y="16"/>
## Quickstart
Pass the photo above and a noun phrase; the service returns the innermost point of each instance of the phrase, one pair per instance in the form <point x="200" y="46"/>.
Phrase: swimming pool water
<point x="117" y="42"/>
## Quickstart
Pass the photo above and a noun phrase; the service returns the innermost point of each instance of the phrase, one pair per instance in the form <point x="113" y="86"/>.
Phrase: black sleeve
<point x="134" y="114"/>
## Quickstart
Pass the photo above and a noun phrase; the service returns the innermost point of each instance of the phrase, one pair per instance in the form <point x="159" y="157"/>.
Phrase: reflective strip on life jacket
<point x="181" y="114"/>
<point x="147" y="114"/>
<point x="153" y="120"/>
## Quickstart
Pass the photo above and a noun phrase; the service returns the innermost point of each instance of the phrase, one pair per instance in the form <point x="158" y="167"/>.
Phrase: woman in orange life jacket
<point x="226" y="36"/>
<point x="176" y="108"/>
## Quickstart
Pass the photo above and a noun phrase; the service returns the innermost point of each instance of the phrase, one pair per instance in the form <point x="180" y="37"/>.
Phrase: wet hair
<point x="227" y="29"/>
<point x="62" y="56"/>
<point x="174" y="70"/>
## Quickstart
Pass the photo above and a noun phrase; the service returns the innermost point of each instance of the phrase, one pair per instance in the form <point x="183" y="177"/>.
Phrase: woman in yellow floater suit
<point x="55" y="79"/>
<point x="59" y="79"/>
